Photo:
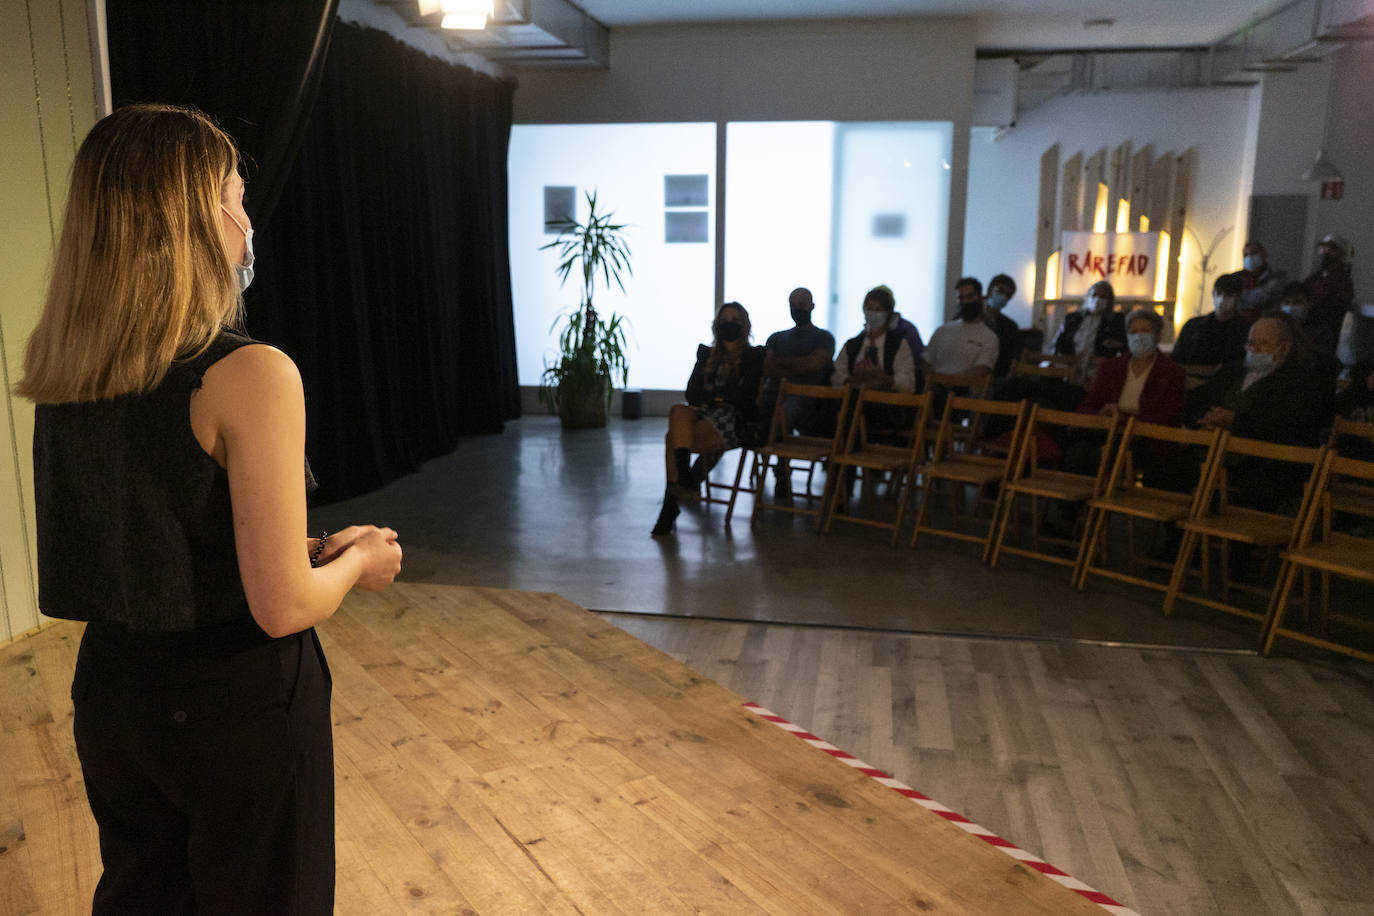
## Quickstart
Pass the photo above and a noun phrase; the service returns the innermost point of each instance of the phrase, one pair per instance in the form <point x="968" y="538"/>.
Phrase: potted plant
<point x="578" y="386"/>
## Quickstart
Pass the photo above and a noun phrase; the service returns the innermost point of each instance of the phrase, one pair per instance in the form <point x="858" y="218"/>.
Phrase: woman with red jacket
<point x="1143" y="382"/>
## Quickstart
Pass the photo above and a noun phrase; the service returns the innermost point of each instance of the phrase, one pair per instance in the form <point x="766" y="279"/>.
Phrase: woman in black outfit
<point x="722" y="410"/>
<point x="168" y="453"/>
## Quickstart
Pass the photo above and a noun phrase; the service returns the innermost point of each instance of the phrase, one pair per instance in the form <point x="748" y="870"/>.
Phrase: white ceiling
<point x="1024" y="24"/>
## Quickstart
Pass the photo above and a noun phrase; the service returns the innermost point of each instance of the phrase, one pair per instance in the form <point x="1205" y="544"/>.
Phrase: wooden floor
<point x="1178" y="782"/>
<point x="508" y="752"/>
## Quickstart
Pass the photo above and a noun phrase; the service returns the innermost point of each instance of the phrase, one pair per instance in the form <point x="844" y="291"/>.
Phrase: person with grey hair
<point x="1143" y="381"/>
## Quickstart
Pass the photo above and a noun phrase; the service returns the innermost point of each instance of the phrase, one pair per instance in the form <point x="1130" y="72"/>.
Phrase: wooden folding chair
<point x="1045" y="360"/>
<point x="1218" y="517"/>
<point x="1335" y="553"/>
<point x="1127" y="496"/>
<point x="974" y="384"/>
<point x="1347" y="495"/>
<point x="1029" y="478"/>
<point x="961" y="458"/>
<point x="786" y="447"/>
<point x="734" y="488"/>
<point x="870" y="457"/>
<point x="1043" y="370"/>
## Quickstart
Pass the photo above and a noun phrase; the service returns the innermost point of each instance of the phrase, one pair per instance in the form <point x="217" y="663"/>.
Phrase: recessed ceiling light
<point x="1103" y="23"/>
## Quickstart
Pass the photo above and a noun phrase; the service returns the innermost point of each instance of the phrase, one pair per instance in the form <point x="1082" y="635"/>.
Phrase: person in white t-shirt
<point x="966" y="344"/>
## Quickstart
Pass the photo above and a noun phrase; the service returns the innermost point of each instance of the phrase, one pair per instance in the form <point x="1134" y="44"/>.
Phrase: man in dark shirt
<point x="1000" y="290"/>
<point x="1218" y="337"/>
<point x="801" y="354"/>
<point x="1261" y="284"/>
<point x="1330" y="292"/>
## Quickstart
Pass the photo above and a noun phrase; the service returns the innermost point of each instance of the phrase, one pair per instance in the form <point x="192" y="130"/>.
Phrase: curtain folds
<point x="384" y="269"/>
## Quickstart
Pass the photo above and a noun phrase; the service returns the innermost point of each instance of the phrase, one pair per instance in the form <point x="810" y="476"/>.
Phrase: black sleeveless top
<point x="135" y="526"/>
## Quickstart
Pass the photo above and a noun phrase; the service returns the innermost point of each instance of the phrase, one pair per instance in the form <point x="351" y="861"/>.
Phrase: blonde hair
<point x="142" y="273"/>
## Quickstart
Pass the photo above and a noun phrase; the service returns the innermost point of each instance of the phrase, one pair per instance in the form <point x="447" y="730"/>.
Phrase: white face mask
<point x="1224" y="305"/>
<point x="875" y="321"/>
<point x="1253" y="262"/>
<point x="244" y="270"/>
<point x="1142" y="344"/>
<point x="1259" y="362"/>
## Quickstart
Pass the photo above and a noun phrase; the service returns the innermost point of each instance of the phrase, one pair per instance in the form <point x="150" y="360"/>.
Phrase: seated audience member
<point x="1217" y="337"/>
<point x="1093" y="331"/>
<point x="1330" y="293"/>
<point x="722" y="410"/>
<point x="1000" y="290"/>
<point x="877" y="357"/>
<point x="905" y="328"/>
<point x="1260" y="284"/>
<point x="801" y="354"/>
<point x="966" y="344"/>
<point x="1309" y="351"/>
<point x="1269" y="396"/>
<point x="1144" y="382"/>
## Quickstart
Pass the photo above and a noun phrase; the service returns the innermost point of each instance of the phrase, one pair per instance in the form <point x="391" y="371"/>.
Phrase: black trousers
<point x="211" y="778"/>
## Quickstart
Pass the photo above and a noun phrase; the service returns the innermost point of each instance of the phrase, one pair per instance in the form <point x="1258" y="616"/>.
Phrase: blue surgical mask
<point x="996" y="300"/>
<point x="1258" y="362"/>
<point x="244" y="270"/>
<point x="874" y="320"/>
<point x="1253" y="263"/>
<point x="1142" y="343"/>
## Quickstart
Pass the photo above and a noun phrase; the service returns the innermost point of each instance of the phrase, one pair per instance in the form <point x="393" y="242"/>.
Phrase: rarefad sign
<point x="1129" y="261"/>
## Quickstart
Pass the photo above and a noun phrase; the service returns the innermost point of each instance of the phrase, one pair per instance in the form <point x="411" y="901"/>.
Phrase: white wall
<point x="1004" y="175"/>
<point x="1350" y="143"/>
<point x="47" y="104"/>
<point x="840" y="70"/>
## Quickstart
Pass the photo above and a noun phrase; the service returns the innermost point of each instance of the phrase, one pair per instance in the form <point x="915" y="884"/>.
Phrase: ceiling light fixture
<point x="1322" y="169"/>
<point x="466" y="14"/>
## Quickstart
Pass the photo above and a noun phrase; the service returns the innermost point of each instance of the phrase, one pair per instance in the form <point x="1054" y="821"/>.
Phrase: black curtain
<point x="253" y="65"/>
<point x="384" y="270"/>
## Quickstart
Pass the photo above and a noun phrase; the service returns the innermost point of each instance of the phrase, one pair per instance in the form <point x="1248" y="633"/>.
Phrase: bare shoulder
<point x="254" y="370"/>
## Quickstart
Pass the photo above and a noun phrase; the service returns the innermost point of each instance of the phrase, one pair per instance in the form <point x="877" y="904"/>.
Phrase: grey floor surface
<point x="540" y="509"/>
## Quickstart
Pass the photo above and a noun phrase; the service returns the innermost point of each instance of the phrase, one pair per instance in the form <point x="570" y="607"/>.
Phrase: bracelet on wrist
<point x="319" y="549"/>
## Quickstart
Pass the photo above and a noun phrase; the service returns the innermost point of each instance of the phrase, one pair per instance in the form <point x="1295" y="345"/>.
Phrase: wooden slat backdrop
<point x="508" y="752"/>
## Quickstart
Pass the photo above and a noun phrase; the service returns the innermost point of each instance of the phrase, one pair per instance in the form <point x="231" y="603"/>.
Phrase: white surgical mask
<point x="875" y="320"/>
<point x="1258" y="362"/>
<point x="1253" y="262"/>
<point x="1142" y="343"/>
<point x="1224" y="305"/>
<point x="244" y="270"/>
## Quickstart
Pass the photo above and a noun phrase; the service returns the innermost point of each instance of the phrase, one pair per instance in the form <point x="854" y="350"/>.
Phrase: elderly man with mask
<point x="1092" y="332"/>
<point x="879" y="356"/>
<point x="1260" y="284"/>
<point x="1217" y="337"/>
<point x="1330" y="293"/>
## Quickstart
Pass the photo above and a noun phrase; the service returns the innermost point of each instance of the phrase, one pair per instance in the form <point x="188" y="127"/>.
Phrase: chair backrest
<point x="1341" y="429"/>
<point x="839" y="395"/>
<point x="976" y="384"/>
<point x="964" y="423"/>
<point x="1122" y="474"/>
<point x="917" y="404"/>
<point x="1038" y="358"/>
<point x="1333" y="470"/>
<point x="1035" y="370"/>
<point x="1027" y="458"/>
<point x="1298" y="456"/>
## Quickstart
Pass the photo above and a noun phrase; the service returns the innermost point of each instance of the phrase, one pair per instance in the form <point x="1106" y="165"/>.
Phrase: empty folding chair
<point x="1318" y="547"/>
<point x="963" y="458"/>
<point x="1030" y="476"/>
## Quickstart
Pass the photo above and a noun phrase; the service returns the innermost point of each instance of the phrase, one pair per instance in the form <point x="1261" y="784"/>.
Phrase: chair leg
<point x="1090" y="527"/>
<point x="1006" y="502"/>
<point x="841" y="473"/>
<point x="761" y="476"/>
<point x="734" y="489"/>
<point x="900" y="480"/>
<point x="1185" y="556"/>
<point x="921" y="510"/>
<point x="1273" y="617"/>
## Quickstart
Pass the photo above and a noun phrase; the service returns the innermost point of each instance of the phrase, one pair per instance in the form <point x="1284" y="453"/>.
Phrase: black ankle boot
<point x="700" y="468"/>
<point x="685" y="487"/>
<point x="666" y="517"/>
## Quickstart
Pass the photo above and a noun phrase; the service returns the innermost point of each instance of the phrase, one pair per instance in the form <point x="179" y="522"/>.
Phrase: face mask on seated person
<point x="875" y="320"/>
<point x="1225" y="305"/>
<point x="1253" y="263"/>
<point x="1295" y="310"/>
<point x="969" y="311"/>
<point x="997" y="300"/>
<point x="729" y="331"/>
<point x="1142" y="344"/>
<point x="1258" y="362"/>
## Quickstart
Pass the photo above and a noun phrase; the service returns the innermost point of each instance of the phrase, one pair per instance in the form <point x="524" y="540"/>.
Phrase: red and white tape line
<point x="1040" y="865"/>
